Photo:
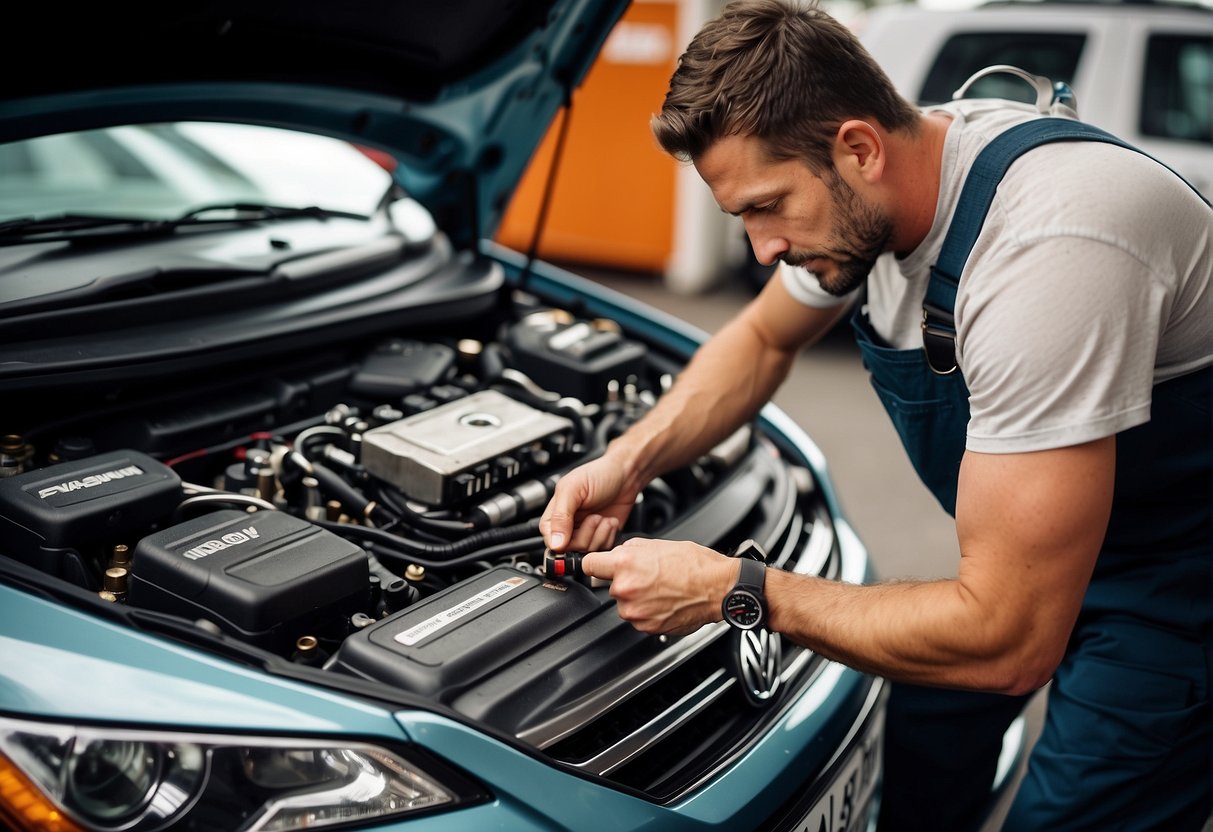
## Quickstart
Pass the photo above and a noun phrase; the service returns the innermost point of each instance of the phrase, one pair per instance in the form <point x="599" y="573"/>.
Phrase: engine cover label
<point x="91" y="481"/>
<point x="449" y="616"/>
<point x="211" y="546"/>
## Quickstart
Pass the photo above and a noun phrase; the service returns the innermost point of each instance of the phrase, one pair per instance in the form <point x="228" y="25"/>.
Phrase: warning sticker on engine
<point x="435" y="623"/>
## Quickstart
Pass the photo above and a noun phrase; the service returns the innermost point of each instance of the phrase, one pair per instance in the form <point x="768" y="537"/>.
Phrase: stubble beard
<point x="860" y="235"/>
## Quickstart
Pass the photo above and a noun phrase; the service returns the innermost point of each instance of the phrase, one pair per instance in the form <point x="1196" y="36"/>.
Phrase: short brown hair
<point x="786" y="73"/>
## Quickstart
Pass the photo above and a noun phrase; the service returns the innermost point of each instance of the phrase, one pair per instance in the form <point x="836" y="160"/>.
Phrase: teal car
<point x="277" y="420"/>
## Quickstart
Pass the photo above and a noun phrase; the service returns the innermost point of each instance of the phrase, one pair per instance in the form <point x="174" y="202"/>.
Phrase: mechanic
<point x="1071" y="441"/>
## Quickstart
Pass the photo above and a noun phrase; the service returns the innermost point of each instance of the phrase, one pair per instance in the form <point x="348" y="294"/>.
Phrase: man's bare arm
<point x="1030" y="528"/>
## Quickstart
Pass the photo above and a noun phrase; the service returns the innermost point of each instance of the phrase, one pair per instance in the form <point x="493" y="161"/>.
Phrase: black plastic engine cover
<point x="471" y="630"/>
<point x="48" y="514"/>
<point x="574" y="358"/>
<point x="264" y="577"/>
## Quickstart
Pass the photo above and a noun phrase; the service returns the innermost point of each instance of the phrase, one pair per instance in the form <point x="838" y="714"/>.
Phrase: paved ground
<point x="828" y="394"/>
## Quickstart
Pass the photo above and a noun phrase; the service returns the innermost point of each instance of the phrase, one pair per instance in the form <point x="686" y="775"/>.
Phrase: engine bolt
<point x="414" y="572"/>
<point x="266" y="484"/>
<point x="115" y="581"/>
<point x="308" y="652"/>
<point x="121" y="556"/>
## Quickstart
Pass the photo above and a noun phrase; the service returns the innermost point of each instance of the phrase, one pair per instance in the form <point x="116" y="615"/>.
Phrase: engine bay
<point x="411" y="501"/>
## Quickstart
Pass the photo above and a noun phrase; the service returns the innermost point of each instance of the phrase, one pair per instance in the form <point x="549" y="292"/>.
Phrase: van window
<point x="1177" y="95"/>
<point x="1055" y="56"/>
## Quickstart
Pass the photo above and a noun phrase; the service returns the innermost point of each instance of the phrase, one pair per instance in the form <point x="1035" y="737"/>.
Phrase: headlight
<point x="68" y="777"/>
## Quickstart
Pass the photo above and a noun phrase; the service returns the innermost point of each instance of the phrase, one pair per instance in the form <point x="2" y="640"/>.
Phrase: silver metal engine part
<point x="462" y="448"/>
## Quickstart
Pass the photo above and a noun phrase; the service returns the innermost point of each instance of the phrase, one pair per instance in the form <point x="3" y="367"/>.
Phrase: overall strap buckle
<point x="939" y="340"/>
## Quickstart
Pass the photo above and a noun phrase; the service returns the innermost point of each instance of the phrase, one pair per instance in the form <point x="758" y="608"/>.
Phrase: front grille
<point x="643" y="718"/>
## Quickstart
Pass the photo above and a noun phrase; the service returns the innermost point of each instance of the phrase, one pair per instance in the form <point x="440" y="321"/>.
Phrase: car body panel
<point x="63" y="664"/>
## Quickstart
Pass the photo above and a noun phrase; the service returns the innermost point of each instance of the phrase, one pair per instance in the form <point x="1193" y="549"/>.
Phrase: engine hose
<point x="491" y="363"/>
<point x="473" y="543"/>
<point x="570" y="409"/>
<point x="501" y="550"/>
<point x="608" y="423"/>
<point x="389" y="545"/>
<point x="386" y="576"/>
<point x="410" y="517"/>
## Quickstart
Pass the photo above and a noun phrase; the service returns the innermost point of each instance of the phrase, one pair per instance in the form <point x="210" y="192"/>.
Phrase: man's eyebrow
<point x="748" y="205"/>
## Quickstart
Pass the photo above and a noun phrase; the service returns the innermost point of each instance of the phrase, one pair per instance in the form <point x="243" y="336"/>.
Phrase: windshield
<point x="163" y="171"/>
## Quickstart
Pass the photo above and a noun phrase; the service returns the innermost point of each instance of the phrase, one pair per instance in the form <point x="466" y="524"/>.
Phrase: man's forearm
<point x="724" y="385"/>
<point x="921" y="632"/>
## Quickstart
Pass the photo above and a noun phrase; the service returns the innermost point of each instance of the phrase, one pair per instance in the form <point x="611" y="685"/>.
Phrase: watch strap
<point x="753" y="576"/>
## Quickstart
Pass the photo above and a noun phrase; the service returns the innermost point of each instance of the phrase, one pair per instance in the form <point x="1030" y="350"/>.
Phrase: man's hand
<point x="665" y="586"/>
<point x="588" y="508"/>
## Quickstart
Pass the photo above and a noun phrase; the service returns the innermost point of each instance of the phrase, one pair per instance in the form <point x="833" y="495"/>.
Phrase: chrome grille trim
<point x="685" y="709"/>
<point x="820" y="545"/>
<point x="604" y="699"/>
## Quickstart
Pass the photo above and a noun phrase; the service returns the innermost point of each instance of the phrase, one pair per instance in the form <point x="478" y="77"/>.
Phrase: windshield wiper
<point x="253" y="211"/>
<point x="62" y="224"/>
<point x="87" y="227"/>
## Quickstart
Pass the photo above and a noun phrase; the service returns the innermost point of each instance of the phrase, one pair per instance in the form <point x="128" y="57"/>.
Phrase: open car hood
<point x="460" y="92"/>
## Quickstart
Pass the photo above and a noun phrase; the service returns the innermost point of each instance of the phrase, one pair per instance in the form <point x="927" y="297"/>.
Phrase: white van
<point x="1143" y="71"/>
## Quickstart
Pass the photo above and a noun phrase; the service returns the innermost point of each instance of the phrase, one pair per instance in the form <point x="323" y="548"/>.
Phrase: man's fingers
<point x="558" y="523"/>
<point x="598" y="565"/>
<point x="604" y="535"/>
<point x="583" y="533"/>
<point x="555" y="525"/>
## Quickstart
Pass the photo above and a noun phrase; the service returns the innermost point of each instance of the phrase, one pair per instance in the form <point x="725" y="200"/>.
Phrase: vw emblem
<point x="759" y="663"/>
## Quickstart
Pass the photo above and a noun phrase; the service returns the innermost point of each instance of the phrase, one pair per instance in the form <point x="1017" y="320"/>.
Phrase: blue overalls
<point x="1126" y="742"/>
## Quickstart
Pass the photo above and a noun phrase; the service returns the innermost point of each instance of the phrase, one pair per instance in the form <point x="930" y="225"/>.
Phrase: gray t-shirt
<point x="1091" y="281"/>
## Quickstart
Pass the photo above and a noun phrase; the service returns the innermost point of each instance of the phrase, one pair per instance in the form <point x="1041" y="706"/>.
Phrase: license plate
<point x="846" y="804"/>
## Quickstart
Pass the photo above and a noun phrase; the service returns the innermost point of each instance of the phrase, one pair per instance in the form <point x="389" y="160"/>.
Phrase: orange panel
<point x="613" y="203"/>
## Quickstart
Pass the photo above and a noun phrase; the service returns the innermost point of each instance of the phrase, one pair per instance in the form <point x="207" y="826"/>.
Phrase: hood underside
<point x="460" y="92"/>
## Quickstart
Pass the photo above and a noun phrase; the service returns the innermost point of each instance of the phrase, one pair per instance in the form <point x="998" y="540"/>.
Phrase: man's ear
<point x="859" y="151"/>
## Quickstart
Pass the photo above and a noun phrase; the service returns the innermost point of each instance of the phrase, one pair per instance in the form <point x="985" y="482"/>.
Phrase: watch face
<point x="743" y="609"/>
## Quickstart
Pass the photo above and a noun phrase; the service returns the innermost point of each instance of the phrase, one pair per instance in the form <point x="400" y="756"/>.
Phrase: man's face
<point x="793" y="215"/>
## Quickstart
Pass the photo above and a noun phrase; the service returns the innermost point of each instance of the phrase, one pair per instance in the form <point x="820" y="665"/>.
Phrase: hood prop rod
<point x="549" y="189"/>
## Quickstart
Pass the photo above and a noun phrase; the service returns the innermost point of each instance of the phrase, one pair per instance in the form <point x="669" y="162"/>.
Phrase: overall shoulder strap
<point x="938" y="322"/>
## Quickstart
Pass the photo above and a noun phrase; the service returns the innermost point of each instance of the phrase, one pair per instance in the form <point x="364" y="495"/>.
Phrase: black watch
<point x="745" y="607"/>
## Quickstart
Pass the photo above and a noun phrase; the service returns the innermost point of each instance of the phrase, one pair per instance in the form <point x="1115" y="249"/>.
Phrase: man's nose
<point x="768" y="248"/>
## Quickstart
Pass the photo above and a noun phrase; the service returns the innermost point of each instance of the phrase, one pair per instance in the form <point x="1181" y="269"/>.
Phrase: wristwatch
<point x="744" y="606"/>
